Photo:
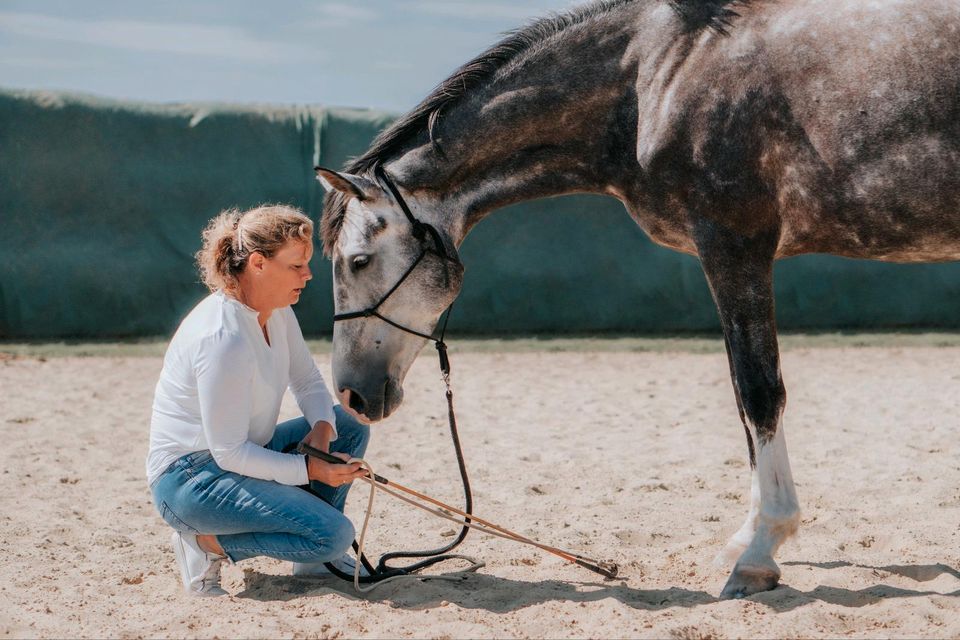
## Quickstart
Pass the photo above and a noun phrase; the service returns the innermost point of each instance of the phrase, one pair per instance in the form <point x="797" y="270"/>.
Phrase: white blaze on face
<point x="375" y="231"/>
<point x="366" y="232"/>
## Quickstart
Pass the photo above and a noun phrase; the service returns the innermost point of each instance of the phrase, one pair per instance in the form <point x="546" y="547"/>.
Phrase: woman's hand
<point x="334" y="475"/>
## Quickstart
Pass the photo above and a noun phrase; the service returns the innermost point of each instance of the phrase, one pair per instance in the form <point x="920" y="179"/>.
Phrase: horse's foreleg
<point x="739" y="541"/>
<point x="740" y="273"/>
<point x="775" y="520"/>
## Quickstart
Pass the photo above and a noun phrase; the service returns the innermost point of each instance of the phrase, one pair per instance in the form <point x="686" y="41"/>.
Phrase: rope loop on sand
<point x="608" y="569"/>
<point x="374" y="486"/>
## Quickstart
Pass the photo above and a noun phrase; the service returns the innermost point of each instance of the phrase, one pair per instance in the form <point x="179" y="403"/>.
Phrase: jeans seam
<point x="267" y="512"/>
<point x="260" y="552"/>
<point x="165" y="508"/>
<point x="190" y="468"/>
<point x="278" y="514"/>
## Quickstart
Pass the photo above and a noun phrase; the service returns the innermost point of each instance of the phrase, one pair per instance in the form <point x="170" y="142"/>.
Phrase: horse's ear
<point x="347" y="183"/>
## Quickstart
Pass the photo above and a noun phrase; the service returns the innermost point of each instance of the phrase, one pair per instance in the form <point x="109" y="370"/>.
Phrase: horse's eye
<point x="360" y="262"/>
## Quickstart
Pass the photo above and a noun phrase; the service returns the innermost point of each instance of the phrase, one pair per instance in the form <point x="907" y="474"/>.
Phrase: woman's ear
<point x="255" y="262"/>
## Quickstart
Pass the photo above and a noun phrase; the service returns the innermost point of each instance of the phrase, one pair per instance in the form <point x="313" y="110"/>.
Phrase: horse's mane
<point x="696" y="14"/>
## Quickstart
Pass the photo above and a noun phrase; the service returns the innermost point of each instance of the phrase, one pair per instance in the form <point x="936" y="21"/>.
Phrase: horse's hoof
<point x="748" y="580"/>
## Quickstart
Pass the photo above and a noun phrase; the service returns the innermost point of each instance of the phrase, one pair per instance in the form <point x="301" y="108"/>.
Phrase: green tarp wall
<point x="102" y="203"/>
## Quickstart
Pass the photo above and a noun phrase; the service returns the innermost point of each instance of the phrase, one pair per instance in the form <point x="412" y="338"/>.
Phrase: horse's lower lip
<point x="343" y="395"/>
<point x="362" y="418"/>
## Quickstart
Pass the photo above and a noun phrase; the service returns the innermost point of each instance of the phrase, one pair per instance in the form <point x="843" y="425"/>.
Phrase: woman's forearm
<point x="320" y="436"/>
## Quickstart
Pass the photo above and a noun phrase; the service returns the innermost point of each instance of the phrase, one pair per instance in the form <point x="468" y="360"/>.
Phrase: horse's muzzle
<point x="373" y="403"/>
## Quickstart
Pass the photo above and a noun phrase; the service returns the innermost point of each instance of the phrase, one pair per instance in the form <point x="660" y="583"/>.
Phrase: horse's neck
<point x="549" y="126"/>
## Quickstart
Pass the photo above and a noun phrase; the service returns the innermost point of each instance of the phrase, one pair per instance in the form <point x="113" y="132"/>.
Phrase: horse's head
<point x="382" y="262"/>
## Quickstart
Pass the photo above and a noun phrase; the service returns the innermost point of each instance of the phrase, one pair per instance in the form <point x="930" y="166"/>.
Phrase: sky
<point x="383" y="54"/>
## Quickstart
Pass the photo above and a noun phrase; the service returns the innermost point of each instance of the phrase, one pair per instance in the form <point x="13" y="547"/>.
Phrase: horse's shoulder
<point x="701" y="84"/>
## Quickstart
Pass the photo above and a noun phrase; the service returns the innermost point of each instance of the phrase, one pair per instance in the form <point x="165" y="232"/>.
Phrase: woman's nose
<point x="308" y="275"/>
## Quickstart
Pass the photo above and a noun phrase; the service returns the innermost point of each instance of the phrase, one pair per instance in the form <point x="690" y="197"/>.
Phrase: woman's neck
<point x="247" y="296"/>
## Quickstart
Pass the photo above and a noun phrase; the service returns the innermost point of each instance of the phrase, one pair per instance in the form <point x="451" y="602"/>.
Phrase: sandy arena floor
<point x="635" y="457"/>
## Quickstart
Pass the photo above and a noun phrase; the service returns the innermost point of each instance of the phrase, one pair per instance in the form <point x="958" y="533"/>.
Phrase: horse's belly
<point x="902" y="206"/>
<point x="936" y="250"/>
<point x="877" y="233"/>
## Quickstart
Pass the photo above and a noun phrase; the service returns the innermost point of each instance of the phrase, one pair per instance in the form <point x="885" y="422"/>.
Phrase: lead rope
<point x="467" y="522"/>
<point x="468" y="495"/>
<point x="374" y="486"/>
<point x="382" y="573"/>
<point x="604" y="568"/>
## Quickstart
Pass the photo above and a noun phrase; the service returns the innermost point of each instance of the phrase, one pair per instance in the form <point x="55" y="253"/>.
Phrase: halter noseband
<point x="420" y="230"/>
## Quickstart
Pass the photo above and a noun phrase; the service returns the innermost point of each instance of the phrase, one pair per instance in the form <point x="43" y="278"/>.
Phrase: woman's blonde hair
<point x="230" y="238"/>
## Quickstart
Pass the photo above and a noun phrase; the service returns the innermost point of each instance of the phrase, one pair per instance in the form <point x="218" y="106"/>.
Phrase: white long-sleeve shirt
<point x="221" y="388"/>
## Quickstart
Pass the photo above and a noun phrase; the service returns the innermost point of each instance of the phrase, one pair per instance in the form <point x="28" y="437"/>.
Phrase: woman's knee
<point x="354" y="432"/>
<point x="340" y="536"/>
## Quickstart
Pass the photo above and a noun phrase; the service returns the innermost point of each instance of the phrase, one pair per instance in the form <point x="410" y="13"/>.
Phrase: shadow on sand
<point x="502" y="595"/>
<point x="785" y="598"/>
<point x="474" y="591"/>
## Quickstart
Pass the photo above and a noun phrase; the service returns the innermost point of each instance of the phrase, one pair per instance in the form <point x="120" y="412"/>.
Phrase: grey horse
<point x="738" y="132"/>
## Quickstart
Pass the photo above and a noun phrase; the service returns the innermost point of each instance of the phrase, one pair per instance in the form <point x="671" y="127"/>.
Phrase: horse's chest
<point x="665" y="225"/>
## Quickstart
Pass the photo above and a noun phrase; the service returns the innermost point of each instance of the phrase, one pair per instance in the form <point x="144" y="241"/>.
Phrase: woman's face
<point x="281" y="279"/>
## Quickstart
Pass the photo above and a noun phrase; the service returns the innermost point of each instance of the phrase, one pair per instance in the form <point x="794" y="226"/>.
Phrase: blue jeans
<point x="253" y="517"/>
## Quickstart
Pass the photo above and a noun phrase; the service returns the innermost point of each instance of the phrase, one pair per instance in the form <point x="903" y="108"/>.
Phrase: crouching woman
<point x="216" y="464"/>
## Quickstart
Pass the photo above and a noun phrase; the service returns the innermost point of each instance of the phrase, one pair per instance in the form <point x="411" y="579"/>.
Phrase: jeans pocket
<point x="173" y="520"/>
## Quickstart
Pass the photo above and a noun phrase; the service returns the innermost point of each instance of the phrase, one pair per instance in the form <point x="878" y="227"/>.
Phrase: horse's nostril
<point x="356" y="401"/>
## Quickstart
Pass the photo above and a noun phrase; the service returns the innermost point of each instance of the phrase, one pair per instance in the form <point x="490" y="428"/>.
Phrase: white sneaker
<point x="199" y="570"/>
<point x="344" y="563"/>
